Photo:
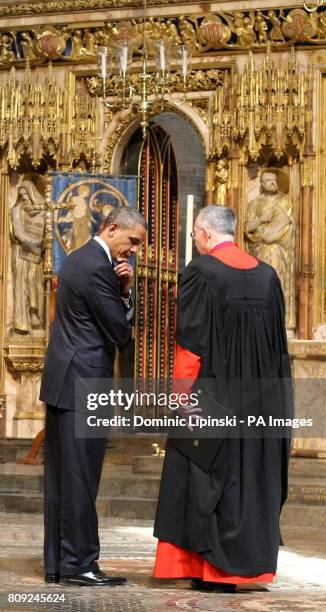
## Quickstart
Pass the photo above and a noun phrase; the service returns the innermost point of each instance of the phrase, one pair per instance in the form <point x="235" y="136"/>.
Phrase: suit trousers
<point x="72" y="473"/>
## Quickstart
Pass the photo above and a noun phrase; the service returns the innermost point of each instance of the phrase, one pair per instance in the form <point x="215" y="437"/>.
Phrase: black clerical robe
<point x="229" y="514"/>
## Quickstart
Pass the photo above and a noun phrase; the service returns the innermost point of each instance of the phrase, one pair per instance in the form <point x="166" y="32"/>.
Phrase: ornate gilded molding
<point x="26" y="366"/>
<point x="307" y="349"/>
<point x="25" y="353"/>
<point x="71" y="6"/>
<point x="202" y="79"/>
<point x="223" y="31"/>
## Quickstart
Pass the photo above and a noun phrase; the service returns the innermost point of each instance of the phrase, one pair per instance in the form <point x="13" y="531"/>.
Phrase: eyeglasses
<point x="193" y="234"/>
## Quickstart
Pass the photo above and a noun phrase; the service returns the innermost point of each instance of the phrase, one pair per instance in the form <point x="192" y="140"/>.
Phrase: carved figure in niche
<point x="154" y="31"/>
<point x="79" y="218"/>
<point x="27" y="233"/>
<point x="220" y="182"/>
<point x="244" y="29"/>
<point x="6" y="53"/>
<point x="29" y="47"/>
<point x="172" y="32"/>
<point x="270" y="232"/>
<point x="77" y="43"/>
<point x="261" y="27"/>
<point x="276" y="34"/>
<point x="107" y="35"/>
<point x="187" y="33"/>
<point x="89" y="43"/>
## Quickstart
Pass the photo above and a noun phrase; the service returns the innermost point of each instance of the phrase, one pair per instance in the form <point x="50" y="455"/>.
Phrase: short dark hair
<point x="125" y="217"/>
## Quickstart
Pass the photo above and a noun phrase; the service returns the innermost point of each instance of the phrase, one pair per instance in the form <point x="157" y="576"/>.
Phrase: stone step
<point x="130" y="487"/>
<point x="311" y="492"/>
<point x="307" y="468"/>
<point x="21" y="483"/>
<point x="124" y="507"/>
<point x="121" y="451"/>
<point x="299" y="467"/>
<point x="116" y="481"/>
<point x="12" y="449"/>
<point x="303" y="515"/>
<point x="147" y="465"/>
<point x="21" y="502"/>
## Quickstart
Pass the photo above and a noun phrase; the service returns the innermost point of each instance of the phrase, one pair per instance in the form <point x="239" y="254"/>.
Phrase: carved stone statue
<point x="270" y="232"/>
<point x="220" y="182"/>
<point x="27" y="232"/>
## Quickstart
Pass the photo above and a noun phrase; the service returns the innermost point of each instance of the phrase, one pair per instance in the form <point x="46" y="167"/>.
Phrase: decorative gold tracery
<point x="42" y="119"/>
<point x="235" y="30"/>
<point x="264" y="105"/>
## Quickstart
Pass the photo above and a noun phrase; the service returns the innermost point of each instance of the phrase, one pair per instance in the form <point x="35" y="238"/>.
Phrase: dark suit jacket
<point x="90" y="320"/>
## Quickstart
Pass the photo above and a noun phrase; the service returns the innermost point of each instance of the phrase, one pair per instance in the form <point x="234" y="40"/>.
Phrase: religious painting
<point x="82" y="202"/>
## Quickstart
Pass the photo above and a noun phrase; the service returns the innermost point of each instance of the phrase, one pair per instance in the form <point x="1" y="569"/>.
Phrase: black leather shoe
<point x="52" y="578"/>
<point x="212" y="587"/>
<point x="92" y="579"/>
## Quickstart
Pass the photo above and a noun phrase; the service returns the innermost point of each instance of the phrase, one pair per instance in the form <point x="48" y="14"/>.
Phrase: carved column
<point x="210" y="168"/>
<point x="2" y="415"/>
<point x="306" y="271"/>
<point x="25" y="361"/>
<point x="4" y="194"/>
<point x="306" y="267"/>
<point x="233" y="191"/>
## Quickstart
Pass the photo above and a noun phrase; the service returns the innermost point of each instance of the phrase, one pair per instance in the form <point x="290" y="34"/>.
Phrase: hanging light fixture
<point x="154" y="82"/>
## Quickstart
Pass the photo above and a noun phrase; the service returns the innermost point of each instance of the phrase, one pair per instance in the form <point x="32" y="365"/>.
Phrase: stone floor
<point x="128" y="548"/>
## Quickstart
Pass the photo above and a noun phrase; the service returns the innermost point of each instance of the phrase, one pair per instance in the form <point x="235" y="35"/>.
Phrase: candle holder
<point x="123" y="85"/>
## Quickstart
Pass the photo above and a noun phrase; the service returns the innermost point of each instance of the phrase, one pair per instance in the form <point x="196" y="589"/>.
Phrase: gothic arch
<point x="126" y="122"/>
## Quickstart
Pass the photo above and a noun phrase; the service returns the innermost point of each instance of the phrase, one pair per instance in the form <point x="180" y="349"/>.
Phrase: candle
<point x="124" y="59"/>
<point x="184" y="62"/>
<point x="189" y="227"/>
<point x="103" y="64"/>
<point x="162" y="56"/>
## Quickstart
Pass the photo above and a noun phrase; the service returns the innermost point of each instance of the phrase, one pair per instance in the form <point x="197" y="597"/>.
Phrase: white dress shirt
<point x="103" y="244"/>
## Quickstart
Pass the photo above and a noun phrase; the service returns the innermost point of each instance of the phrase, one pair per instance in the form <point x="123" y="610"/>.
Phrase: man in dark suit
<point x="93" y="301"/>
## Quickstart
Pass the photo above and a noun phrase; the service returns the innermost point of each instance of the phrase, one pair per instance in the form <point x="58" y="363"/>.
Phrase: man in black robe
<point x="220" y="499"/>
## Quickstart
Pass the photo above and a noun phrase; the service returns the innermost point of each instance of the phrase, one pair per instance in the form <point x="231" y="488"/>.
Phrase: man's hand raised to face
<point x="125" y="273"/>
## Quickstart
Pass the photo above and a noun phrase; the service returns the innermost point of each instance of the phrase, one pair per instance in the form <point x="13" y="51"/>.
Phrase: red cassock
<point x="172" y="561"/>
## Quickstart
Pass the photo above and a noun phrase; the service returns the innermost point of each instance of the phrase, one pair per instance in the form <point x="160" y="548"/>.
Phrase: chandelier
<point x="159" y="74"/>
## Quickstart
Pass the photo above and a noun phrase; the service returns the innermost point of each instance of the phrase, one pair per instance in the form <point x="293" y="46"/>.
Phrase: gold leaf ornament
<point x="214" y="32"/>
<point x="300" y="26"/>
<point x="51" y="43"/>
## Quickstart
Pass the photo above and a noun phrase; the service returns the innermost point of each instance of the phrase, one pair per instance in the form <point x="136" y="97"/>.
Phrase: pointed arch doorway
<point x="170" y="164"/>
<point x="153" y="160"/>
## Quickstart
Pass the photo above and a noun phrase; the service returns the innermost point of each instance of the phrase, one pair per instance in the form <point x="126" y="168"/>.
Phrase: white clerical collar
<point x="104" y="246"/>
